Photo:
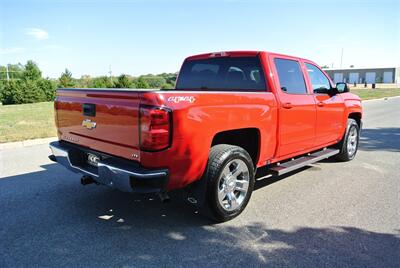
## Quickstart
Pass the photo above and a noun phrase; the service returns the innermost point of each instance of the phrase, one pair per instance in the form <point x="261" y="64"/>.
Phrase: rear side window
<point x="222" y="73"/>
<point x="291" y="77"/>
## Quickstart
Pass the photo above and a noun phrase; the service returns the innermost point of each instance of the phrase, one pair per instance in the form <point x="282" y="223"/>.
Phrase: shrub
<point x="48" y="87"/>
<point x="32" y="92"/>
<point x="102" y="82"/>
<point x="12" y="92"/>
<point x="154" y="81"/>
<point x="123" y="81"/>
<point x="141" y="83"/>
<point x="167" y="86"/>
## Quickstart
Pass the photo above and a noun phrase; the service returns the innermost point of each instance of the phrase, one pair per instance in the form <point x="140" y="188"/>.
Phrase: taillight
<point x="154" y="128"/>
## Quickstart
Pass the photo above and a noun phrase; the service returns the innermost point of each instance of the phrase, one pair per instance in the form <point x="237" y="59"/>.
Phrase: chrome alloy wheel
<point x="352" y="141"/>
<point x="233" y="184"/>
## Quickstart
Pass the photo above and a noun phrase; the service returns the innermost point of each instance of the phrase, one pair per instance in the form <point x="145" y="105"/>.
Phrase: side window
<point x="290" y="76"/>
<point x="319" y="82"/>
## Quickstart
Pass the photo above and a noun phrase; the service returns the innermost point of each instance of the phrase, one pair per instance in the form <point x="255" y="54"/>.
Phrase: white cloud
<point x="37" y="33"/>
<point x="11" y="50"/>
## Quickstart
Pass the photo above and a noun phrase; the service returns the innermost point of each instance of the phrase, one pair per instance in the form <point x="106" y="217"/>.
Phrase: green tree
<point x="167" y="86"/>
<point x="2" y="86"/>
<point x="102" y="82"/>
<point x="12" y="93"/>
<point x="32" y="92"/>
<point x="49" y="88"/>
<point x="85" y="81"/>
<point x="154" y="81"/>
<point x="141" y="83"/>
<point x="31" y="71"/>
<point x="66" y="79"/>
<point x="170" y="78"/>
<point x="123" y="81"/>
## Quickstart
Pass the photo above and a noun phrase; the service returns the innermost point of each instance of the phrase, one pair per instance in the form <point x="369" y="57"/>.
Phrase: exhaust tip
<point x="53" y="158"/>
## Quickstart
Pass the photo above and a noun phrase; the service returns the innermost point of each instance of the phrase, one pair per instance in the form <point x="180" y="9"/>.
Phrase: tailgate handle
<point x="89" y="109"/>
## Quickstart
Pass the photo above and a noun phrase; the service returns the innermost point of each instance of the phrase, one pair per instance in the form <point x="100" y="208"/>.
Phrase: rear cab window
<point x="222" y="74"/>
<point x="290" y="76"/>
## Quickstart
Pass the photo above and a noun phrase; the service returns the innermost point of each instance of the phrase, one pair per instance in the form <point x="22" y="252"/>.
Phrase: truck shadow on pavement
<point x="48" y="219"/>
<point x="380" y="139"/>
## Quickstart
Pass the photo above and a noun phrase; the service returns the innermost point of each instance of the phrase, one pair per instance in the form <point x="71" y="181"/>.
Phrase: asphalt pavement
<point x="327" y="215"/>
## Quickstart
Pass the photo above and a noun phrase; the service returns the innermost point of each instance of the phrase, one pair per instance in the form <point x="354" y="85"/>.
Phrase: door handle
<point x="287" y="105"/>
<point x="320" y="104"/>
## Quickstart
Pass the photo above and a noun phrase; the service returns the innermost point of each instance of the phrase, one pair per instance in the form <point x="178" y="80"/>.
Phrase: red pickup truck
<point x="230" y="114"/>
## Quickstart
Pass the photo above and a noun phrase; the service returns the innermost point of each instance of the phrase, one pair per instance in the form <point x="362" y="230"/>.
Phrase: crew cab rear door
<point x="330" y="108"/>
<point x="297" y="111"/>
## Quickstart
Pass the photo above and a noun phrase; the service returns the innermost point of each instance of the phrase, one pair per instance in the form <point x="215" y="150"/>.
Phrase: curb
<point x="26" y="143"/>
<point x="385" y="98"/>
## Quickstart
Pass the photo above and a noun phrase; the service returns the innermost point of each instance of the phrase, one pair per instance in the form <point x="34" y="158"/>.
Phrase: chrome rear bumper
<point x="118" y="173"/>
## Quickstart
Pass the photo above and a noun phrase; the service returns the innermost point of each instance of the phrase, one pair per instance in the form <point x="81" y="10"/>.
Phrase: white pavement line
<point x="26" y="143"/>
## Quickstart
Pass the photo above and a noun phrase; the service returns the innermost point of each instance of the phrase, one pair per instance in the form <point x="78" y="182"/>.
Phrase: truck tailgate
<point x="102" y="120"/>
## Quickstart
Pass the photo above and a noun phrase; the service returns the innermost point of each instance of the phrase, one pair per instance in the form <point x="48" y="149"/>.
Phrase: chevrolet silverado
<point x="229" y="115"/>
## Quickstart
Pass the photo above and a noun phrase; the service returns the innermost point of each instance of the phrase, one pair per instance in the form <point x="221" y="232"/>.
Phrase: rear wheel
<point x="349" y="144"/>
<point x="230" y="181"/>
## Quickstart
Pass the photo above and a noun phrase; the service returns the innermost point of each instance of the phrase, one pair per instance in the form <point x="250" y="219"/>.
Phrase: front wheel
<point x="230" y="181"/>
<point x="349" y="144"/>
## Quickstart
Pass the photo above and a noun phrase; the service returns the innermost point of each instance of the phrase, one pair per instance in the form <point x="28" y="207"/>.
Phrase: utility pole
<point x="341" y="59"/>
<point x="110" y="72"/>
<point x="7" y="75"/>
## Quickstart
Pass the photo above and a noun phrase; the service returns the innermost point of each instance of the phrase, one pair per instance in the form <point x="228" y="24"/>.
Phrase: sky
<point x="138" y="37"/>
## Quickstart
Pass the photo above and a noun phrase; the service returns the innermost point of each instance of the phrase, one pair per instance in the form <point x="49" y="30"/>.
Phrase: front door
<point x="297" y="111"/>
<point x="330" y="109"/>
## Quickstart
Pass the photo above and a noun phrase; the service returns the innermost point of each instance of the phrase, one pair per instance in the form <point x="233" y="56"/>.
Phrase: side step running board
<point x="302" y="161"/>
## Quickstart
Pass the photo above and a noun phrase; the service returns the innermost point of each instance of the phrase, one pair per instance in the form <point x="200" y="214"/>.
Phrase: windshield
<point x="223" y="73"/>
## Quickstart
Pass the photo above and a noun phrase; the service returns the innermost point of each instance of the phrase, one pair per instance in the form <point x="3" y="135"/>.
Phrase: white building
<point x="365" y="75"/>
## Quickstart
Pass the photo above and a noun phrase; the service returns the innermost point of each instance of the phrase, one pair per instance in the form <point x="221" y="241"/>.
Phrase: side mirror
<point x="342" y="87"/>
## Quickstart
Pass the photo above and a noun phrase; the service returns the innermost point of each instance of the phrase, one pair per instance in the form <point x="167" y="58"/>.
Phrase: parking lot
<point x="329" y="214"/>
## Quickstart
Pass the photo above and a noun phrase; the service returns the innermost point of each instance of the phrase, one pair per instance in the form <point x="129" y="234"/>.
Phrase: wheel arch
<point x="356" y="116"/>
<point x="247" y="138"/>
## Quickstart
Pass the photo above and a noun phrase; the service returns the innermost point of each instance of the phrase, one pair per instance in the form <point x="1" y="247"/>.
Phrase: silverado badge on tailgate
<point x="89" y="124"/>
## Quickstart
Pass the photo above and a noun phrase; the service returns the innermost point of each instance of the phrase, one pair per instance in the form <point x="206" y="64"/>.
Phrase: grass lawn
<point x="26" y="121"/>
<point x="369" y="93"/>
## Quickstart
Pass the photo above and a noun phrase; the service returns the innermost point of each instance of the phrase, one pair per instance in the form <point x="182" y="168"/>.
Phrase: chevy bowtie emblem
<point x="89" y="124"/>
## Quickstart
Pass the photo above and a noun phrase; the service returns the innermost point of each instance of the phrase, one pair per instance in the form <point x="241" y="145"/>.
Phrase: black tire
<point x="346" y="153"/>
<point x="220" y="156"/>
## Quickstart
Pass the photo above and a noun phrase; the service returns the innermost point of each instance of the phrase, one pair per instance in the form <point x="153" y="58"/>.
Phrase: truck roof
<point x="235" y="53"/>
